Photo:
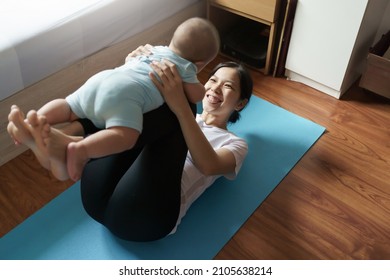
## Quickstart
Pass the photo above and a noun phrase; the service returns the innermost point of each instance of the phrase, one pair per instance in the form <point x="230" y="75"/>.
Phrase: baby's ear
<point x="200" y="65"/>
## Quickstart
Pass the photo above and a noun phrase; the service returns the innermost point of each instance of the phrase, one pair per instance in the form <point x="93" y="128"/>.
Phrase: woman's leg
<point x="146" y="202"/>
<point x="139" y="201"/>
<point x="99" y="180"/>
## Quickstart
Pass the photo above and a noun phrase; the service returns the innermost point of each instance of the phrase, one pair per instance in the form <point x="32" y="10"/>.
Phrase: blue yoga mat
<point x="62" y="230"/>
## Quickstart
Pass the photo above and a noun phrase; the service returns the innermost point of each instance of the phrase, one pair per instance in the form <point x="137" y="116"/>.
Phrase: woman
<point x="142" y="194"/>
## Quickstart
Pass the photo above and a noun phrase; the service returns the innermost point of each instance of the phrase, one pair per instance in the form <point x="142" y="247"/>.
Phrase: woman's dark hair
<point x="246" y="84"/>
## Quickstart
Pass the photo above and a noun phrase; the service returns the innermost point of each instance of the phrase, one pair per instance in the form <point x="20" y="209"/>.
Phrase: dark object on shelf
<point x="246" y="44"/>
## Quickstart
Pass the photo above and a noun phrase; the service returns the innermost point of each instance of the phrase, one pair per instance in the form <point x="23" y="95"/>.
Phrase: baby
<point x="116" y="99"/>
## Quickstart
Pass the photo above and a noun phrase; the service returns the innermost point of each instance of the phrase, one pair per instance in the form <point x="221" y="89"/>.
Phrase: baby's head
<point x="196" y="40"/>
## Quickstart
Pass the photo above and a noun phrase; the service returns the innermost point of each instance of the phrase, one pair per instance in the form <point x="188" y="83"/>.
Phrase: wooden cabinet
<point x="227" y="14"/>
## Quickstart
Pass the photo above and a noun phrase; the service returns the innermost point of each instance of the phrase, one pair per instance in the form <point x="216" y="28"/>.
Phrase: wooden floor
<point x="334" y="204"/>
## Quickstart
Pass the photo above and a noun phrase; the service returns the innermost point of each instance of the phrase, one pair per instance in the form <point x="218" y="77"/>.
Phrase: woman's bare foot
<point x="77" y="158"/>
<point x="24" y="133"/>
<point x="38" y="127"/>
<point x="52" y="142"/>
<point x="17" y="128"/>
<point x="48" y="144"/>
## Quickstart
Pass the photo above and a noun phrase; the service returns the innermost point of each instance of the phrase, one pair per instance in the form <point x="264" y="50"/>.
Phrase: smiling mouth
<point x="213" y="99"/>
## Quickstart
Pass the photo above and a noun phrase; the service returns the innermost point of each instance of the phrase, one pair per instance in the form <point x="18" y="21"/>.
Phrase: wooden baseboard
<point x="69" y="79"/>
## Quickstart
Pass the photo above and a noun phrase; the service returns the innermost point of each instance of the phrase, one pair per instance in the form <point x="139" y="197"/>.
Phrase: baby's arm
<point x="141" y="50"/>
<point x="194" y="92"/>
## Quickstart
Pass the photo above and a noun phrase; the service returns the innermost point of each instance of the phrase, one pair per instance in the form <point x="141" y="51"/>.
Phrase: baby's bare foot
<point x="77" y="158"/>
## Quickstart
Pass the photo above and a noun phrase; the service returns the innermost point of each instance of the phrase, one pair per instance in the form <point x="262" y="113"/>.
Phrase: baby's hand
<point x="141" y="50"/>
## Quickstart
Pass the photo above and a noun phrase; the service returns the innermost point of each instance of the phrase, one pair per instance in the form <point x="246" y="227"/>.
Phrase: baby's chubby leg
<point x="57" y="111"/>
<point x="102" y="143"/>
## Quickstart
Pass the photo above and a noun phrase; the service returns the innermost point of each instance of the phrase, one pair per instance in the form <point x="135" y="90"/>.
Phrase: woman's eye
<point x="228" y="86"/>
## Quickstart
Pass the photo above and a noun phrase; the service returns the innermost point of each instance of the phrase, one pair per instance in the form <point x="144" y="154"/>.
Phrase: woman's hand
<point x="170" y="85"/>
<point x="141" y="50"/>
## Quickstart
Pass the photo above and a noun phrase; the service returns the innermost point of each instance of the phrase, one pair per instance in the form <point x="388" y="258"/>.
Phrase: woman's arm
<point x="207" y="160"/>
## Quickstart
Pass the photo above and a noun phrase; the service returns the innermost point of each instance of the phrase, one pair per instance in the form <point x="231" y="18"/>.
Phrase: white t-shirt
<point x="193" y="182"/>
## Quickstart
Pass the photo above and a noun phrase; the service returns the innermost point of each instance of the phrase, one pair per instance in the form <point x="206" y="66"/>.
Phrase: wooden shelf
<point x="227" y="14"/>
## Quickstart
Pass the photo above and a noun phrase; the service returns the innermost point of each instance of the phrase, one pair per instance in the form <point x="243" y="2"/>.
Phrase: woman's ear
<point x="241" y="105"/>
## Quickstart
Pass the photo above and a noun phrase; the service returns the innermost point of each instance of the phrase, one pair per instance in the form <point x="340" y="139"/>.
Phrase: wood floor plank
<point x="25" y="187"/>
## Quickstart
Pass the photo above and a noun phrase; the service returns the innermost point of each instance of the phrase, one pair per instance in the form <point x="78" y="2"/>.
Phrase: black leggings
<point x="136" y="194"/>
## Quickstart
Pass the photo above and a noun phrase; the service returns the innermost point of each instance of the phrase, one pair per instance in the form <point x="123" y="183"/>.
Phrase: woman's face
<point x="222" y="92"/>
